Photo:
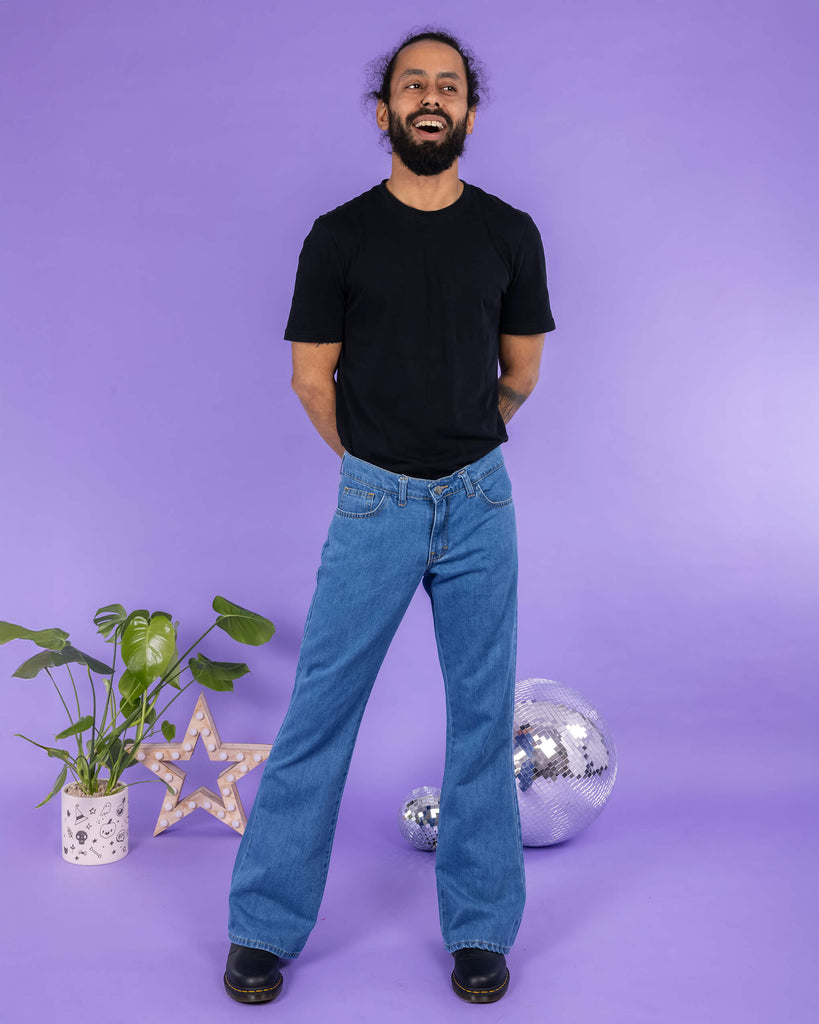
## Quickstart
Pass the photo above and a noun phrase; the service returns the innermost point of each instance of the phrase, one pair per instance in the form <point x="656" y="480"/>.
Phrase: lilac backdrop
<point x="161" y="164"/>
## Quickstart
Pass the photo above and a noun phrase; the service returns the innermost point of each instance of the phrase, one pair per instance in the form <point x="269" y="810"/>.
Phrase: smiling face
<point x="427" y="119"/>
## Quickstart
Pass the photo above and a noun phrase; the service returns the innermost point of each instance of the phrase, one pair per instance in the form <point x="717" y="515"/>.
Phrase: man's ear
<point x="470" y="120"/>
<point x="382" y="115"/>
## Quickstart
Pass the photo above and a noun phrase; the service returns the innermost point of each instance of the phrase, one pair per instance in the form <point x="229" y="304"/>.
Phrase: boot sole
<point x="253" y="995"/>
<point x="480" y="995"/>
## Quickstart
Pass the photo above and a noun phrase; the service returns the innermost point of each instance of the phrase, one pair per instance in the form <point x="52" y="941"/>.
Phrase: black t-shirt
<point x="417" y="299"/>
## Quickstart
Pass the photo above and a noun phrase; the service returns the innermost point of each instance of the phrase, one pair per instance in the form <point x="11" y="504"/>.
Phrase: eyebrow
<point x="420" y="71"/>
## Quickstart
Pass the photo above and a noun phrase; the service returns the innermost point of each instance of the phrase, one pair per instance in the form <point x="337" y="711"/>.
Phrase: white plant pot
<point x="95" y="828"/>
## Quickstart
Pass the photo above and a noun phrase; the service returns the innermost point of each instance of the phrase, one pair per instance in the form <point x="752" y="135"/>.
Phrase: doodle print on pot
<point x="95" y="828"/>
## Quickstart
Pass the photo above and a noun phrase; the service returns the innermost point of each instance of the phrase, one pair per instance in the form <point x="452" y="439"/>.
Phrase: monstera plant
<point x="127" y="704"/>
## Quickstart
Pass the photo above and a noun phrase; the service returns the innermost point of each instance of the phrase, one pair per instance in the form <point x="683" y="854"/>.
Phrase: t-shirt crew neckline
<point x="453" y="210"/>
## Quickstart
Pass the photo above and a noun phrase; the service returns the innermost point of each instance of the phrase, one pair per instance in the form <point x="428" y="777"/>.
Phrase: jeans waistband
<point x="417" y="487"/>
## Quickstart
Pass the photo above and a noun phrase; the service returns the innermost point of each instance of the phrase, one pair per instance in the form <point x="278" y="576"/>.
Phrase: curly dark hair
<point x="379" y="71"/>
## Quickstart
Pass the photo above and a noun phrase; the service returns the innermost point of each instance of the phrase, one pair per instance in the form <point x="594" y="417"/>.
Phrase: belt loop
<point x="402" y="490"/>
<point x="470" y="490"/>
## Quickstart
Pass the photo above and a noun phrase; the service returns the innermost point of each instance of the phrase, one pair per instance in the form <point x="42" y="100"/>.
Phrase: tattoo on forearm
<point x="509" y="401"/>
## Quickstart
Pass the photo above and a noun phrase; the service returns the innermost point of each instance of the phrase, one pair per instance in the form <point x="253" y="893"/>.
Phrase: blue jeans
<point x="457" y="536"/>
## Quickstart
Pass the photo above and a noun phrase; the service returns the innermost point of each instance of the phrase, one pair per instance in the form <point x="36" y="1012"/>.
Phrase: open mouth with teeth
<point x="429" y="126"/>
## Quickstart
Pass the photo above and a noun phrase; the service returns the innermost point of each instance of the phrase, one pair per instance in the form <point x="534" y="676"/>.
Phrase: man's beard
<point x="426" y="158"/>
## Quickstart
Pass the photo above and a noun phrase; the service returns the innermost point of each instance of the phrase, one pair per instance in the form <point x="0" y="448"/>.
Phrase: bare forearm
<point x="519" y="358"/>
<point x="320" y="405"/>
<point x="512" y="393"/>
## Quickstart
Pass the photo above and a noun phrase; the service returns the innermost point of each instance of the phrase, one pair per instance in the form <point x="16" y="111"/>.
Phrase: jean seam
<point x="362" y="494"/>
<point x="450" y="742"/>
<point x="489" y="472"/>
<point x="369" y="483"/>
<point x="483" y="943"/>
<point x="343" y="783"/>
<point x="365" y="515"/>
<point x="489" y="502"/>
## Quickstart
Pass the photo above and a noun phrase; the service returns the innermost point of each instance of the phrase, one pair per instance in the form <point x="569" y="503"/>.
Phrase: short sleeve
<point x="317" y="309"/>
<point x="525" y="308"/>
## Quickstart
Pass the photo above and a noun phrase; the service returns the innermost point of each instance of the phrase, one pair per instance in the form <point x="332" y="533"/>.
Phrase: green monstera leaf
<point x="52" y="639"/>
<point x="108" y="621"/>
<point x="67" y="656"/>
<point x="148" y="645"/>
<point x="216" y="675"/>
<point x="245" y="626"/>
<point x="132" y="686"/>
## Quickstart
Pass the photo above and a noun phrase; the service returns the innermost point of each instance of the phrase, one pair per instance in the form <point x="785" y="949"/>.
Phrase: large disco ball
<point x="565" y="761"/>
<point x="419" y="817"/>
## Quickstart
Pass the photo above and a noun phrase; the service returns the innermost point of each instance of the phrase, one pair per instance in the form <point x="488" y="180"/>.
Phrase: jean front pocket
<point x="359" y="502"/>
<point x="495" y="488"/>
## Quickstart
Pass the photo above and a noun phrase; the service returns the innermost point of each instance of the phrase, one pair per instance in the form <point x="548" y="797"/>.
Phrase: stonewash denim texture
<point x="457" y="536"/>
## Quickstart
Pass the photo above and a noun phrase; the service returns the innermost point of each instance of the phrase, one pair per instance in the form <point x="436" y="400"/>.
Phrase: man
<point x="411" y="294"/>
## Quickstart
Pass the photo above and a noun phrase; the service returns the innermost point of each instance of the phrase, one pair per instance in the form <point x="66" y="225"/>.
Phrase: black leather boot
<point x="252" y="975"/>
<point x="480" y="976"/>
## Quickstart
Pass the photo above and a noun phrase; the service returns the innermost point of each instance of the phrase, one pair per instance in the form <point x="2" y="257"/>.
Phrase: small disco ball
<point x="419" y="817"/>
<point x="565" y="761"/>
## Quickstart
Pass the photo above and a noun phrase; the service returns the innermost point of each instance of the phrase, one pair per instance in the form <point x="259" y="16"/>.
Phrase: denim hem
<point x="477" y="944"/>
<point x="256" y="944"/>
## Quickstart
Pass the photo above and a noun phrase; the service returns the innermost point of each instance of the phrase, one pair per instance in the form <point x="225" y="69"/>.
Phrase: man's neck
<point x="424" y="193"/>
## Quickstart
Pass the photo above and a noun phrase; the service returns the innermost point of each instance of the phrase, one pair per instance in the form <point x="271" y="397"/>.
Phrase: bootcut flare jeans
<point x="457" y="536"/>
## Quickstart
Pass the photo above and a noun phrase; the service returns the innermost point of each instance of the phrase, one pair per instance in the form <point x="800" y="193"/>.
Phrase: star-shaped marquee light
<point x="163" y="758"/>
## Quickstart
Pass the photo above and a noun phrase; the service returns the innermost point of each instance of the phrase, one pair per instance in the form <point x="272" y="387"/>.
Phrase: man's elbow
<point x="308" y="388"/>
<point x="524" y="382"/>
<point x="531" y="382"/>
<point x="520" y="376"/>
<point x="302" y="388"/>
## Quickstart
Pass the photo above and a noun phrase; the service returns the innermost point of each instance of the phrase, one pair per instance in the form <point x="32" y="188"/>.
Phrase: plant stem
<point x="82" y="762"/>
<point x="177" y="694"/>
<point x="116" y="770"/>
<point x="70" y="719"/>
<point x="51" y="677"/>
<point x="109" y="690"/>
<point x="76" y="695"/>
<point x="111" y="687"/>
<point x="173" y="667"/>
<point x="93" y="717"/>
<point x="141" y="725"/>
<point x="105" y="707"/>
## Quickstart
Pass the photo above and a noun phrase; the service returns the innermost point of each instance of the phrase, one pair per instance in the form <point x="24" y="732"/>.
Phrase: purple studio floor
<point x="687" y="900"/>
